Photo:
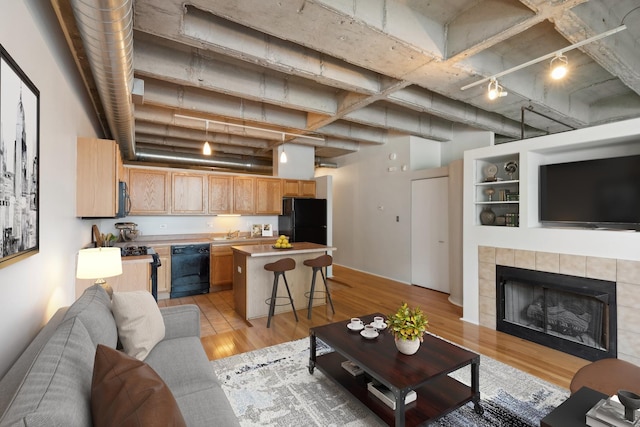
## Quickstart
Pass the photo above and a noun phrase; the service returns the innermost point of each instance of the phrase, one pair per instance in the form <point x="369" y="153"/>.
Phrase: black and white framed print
<point x="19" y="162"/>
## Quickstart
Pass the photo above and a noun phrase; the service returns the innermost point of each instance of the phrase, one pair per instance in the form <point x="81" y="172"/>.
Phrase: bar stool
<point x="317" y="264"/>
<point x="278" y="268"/>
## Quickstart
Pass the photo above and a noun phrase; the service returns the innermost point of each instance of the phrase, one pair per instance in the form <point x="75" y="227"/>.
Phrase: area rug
<point x="273" y="387"/>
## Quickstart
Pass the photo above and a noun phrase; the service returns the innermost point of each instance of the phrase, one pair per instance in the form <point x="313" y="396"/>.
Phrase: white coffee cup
<point x="370" y="330"/>
<point x="378" y="321"/>
<point x="356" y="322"/>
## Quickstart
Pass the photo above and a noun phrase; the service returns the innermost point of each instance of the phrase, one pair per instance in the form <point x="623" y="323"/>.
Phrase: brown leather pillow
<point x="128" y="392"/>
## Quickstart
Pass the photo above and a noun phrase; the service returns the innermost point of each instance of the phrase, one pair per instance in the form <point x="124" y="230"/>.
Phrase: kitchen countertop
<point x="269" y="250"/>
<point x="194" y="239"/>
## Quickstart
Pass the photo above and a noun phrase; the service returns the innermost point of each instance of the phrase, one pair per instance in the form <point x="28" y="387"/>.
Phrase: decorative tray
<point x="274" y="247"/>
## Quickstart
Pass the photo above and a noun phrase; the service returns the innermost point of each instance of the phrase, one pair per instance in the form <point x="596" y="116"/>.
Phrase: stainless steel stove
<point x="131" y="250"/>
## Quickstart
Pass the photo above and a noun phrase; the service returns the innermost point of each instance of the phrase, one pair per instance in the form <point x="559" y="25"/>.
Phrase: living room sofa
<point x="51" y="382"/>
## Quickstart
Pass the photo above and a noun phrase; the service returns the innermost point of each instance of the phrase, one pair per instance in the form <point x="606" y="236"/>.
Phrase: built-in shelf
<point x="497" y="191"/>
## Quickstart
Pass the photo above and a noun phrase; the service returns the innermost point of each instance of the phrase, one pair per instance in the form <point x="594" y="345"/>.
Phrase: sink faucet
<point x="232" y="234"/>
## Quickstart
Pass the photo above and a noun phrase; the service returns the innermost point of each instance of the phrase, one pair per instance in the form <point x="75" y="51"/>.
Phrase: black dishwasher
<point x="189" y="270"/>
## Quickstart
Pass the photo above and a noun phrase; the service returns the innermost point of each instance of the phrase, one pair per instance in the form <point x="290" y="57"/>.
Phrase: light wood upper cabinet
<point x="244" y="195"/>
<point x="149" y="191"/>
<point x="220" y="194"/>
<point x="268" y="196"/>
<point x="98" y="171"/>
<point x="298" y="188"/>
<point x="188" y="193"/>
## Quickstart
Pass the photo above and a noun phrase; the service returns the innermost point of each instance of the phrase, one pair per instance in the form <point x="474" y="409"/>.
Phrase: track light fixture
<point x="559" y="66"/>
<point x="495" y="90"/>
<point x="556" y="54"/>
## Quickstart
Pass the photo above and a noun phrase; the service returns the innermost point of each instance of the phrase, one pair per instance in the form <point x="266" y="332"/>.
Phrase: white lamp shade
<point x="99" y="263"/>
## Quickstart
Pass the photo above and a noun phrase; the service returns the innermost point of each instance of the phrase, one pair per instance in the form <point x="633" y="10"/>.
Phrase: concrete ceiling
<point x="355" y="72"/>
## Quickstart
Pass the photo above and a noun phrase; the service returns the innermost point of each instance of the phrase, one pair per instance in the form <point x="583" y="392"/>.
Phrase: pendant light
<point x="283" y="155"/>
<point x="206" y="148"/>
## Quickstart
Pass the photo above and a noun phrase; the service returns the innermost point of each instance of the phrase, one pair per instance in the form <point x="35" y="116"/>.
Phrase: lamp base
<point x="107" y="287"/>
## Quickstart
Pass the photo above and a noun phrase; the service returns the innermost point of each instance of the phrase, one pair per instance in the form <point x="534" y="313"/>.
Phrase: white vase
<point x="407" y="347"/>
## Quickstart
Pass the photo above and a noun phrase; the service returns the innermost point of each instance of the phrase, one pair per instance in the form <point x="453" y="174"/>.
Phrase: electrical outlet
<point x="397" y="218"/>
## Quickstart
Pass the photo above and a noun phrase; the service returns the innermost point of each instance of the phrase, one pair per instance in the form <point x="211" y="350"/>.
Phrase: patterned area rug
<point x="273" y="387"/>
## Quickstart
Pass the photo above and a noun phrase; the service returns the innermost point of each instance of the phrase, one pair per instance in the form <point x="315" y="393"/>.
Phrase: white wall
<point x="172" y="225"/>
<point x="615" y="139"/>
<point x="367" y="198"/>
<point x="32" y="289"/>
<point x="300" y="162"/>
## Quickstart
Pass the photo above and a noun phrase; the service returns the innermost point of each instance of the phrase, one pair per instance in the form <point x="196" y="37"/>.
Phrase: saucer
<point x="383" y="326"/>
<point x="369" y="336"/>
<point x="358" y="327"/>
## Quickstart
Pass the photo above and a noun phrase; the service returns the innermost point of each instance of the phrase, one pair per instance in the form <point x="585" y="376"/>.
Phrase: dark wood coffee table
<point x="425" y="372"/>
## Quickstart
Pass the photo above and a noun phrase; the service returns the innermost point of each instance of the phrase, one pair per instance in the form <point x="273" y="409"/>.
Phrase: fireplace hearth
<point x="576" y="315"/>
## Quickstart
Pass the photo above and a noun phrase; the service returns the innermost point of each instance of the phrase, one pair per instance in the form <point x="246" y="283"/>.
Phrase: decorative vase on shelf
<point x="407" y="347"/>
<point x="487" y="216"/>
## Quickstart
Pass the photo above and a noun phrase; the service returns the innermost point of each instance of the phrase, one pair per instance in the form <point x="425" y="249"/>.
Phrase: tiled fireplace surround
<point x="625" y="273"/>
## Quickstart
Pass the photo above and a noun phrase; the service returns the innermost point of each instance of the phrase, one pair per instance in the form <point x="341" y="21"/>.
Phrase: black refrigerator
<point x="304" y="220"/>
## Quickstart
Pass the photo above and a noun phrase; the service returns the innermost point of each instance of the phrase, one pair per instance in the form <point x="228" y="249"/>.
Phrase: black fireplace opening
<point x="576" y="315"/>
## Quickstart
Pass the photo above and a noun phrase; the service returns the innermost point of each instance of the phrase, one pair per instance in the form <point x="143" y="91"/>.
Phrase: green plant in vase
<point x="408" y="326"/>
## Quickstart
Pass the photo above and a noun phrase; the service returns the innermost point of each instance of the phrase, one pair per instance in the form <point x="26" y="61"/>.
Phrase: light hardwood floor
<point x="225" y="333"/>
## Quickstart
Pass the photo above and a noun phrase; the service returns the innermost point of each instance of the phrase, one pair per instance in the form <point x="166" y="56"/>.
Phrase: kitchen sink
<point x="219" y="239"/>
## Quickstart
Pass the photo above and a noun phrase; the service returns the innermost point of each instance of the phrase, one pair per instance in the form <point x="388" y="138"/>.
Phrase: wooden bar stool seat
<point x="318" y="264"/>
<point x="279" y="268"/>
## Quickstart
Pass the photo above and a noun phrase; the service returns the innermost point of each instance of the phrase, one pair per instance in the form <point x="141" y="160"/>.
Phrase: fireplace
<point x="576" y="315"/>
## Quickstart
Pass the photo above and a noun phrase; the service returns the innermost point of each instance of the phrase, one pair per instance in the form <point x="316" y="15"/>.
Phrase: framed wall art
<point x="19" y="163"/>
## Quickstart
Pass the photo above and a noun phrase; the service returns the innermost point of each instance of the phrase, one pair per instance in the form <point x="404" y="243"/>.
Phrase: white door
<point x="429" y="233"/>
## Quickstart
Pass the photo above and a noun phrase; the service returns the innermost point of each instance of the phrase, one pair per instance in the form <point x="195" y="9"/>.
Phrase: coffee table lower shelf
<point x="438" y="397"/>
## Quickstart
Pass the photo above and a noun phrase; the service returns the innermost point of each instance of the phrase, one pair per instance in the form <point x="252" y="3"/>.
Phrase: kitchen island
<point x="252" y="284"/>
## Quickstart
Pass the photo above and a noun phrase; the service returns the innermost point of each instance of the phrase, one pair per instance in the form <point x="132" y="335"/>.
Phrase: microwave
<point x="124" y="201"/>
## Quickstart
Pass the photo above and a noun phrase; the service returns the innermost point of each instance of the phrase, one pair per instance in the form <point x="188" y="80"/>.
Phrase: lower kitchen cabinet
<point x="136" y="276"/>
<point x="221" y="268"/>
<point x="164" y="271"/>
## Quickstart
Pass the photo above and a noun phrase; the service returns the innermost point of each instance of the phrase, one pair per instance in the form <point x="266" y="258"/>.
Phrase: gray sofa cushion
<point x="192" y="382"/>
<point x="93" y="308"/>
<point x="57" y="388"/>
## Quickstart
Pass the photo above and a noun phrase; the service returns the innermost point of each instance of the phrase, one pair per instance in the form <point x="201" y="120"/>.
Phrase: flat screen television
<point x="602" y="193"/>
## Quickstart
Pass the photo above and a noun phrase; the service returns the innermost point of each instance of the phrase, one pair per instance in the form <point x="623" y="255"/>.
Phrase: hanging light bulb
<point x="495" y="90"/>
<point x="559" y="66"/>
<point x="283" y="155"/>
<point x="206" y="148"/>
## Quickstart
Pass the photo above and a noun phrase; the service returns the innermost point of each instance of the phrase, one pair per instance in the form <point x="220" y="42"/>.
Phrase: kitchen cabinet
<point x="188" y="193"/>
<point x="164" y="271"/>
<point x="221" y="263"/>
<point x="136" y="276"/>
<point x="220" y="194"/>
<point x="244" y="195"/>
<point x="98" y="172"/>
<point x="268" y="196"/>
<point x="298" y="188"/>
<point x="149" y="191"/>
<point x="221" y="268"/>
